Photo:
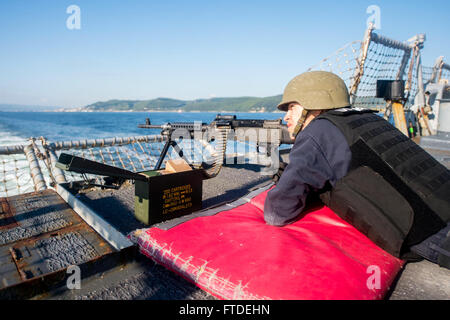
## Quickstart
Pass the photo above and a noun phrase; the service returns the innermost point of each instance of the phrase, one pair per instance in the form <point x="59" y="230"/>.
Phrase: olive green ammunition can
<point x="166" y="196"/>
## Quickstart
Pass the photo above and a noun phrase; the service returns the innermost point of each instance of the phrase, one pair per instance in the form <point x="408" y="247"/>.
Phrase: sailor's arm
<point x="308" y="170"/>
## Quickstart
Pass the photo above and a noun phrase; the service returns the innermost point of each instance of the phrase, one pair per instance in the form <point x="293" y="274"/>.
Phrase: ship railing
<point x="31" y="167"/>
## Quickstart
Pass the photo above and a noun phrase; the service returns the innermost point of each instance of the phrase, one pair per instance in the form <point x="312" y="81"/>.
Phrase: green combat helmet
<point x="316" y="90"/>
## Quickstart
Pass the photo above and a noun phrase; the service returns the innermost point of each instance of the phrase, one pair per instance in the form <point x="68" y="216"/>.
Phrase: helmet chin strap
<point x="300" y="123"/>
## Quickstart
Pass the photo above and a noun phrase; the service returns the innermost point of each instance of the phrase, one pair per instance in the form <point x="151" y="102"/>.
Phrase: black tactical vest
<point x="395" y="192"/>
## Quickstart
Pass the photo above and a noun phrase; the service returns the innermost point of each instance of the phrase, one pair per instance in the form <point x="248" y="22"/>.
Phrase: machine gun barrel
<point x="228" y="121"/>
<point x="268" y="134"/>
<point x="167" y="127"/>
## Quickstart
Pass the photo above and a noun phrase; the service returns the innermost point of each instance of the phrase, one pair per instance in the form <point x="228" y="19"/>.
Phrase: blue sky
<point x="187" y="49"/>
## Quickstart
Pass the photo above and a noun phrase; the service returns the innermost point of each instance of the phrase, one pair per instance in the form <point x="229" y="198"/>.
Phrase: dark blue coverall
<point x="320" y="154"/>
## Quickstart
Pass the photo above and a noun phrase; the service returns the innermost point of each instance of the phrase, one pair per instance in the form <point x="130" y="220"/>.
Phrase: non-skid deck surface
<point x="40" y="235"/>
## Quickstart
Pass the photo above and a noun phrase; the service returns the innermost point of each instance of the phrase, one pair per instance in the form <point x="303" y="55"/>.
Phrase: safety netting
<point x="343" y="62"/>
<point x="361" y="63"/>
<point x="15" y="175"/>
<point x="31" y="167"/>
<point x="27" y="168"/>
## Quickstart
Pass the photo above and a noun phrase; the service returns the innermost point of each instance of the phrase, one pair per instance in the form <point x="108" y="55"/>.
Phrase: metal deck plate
<point x="40" y="235"/>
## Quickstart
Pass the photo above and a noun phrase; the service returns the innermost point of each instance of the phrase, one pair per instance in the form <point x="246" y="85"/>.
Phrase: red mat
<point x="236" y="255"/>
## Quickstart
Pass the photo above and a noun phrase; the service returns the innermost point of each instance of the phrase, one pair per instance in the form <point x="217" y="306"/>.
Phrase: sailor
<point x="364" y="169"/>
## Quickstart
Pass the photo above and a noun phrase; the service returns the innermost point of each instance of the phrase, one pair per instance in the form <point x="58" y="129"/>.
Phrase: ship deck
<point x="41" y="235"/>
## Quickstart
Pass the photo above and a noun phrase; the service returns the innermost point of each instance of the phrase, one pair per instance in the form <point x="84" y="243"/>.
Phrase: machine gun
<point x="162" y="195"/>
<point x="268" y="134"/>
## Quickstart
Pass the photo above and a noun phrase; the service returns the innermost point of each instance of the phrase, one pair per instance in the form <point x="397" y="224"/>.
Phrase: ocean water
<point x="17" y="127"/>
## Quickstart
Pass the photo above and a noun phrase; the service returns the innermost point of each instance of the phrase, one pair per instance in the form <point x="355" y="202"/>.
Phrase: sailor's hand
<point x="276" y="177"/>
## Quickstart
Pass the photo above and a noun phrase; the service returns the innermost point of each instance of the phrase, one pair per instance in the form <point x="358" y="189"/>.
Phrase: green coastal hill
<point x="240" y="104"/>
